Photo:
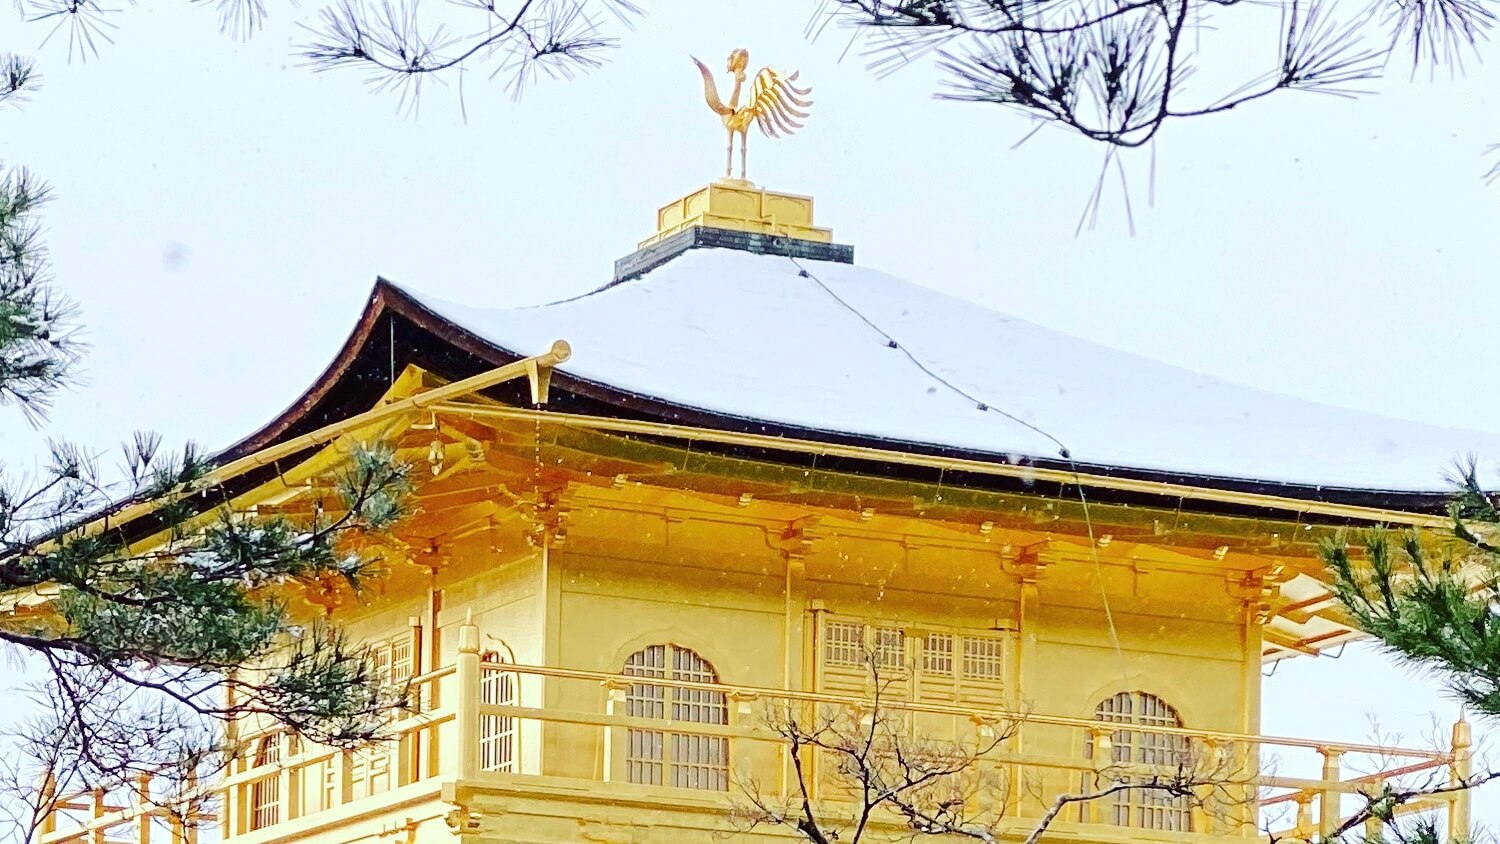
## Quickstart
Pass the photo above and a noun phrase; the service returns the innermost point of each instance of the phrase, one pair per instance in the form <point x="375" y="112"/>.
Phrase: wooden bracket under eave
<point x="540" y="378"/>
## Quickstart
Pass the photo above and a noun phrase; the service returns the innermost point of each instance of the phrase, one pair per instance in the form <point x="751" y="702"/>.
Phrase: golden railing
<point x="586" y="711"/>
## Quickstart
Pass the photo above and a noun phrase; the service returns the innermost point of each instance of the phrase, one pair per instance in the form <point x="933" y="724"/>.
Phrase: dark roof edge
<point x="268" y="434"/>
<point x="388" y="298"/>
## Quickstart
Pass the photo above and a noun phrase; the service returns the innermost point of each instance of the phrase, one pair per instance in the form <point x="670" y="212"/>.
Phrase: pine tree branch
<point x="1114" y="71"/>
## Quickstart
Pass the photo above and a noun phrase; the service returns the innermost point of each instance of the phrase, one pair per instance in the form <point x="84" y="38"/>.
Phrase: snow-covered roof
<point x="808" y="344"/>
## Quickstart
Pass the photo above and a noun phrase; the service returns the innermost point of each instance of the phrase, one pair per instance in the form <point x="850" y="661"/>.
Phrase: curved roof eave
<point x="467" y="353"/>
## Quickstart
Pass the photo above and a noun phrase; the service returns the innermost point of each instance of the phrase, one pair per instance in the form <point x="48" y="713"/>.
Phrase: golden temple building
<point x="748" y="475"/>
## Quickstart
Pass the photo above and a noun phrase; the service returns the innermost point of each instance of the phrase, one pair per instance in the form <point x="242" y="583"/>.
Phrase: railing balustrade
<point x="546" y="723"/>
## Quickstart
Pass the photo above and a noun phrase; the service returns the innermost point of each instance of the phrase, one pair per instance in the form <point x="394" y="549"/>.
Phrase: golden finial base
<point x="739" y="205"/>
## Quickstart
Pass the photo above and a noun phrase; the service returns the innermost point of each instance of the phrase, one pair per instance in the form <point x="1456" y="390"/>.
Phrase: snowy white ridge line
<point x="743" y="336"/>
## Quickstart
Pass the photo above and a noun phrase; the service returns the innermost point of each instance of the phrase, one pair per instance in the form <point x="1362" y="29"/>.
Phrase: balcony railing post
<point x="1304" y="813"/>
<point x="407" y="761"/>
<point x="197" y="799"/>
<point x="1460" y="769"/>
<point x="467" y="710"/>
<point x="179" y="830"/>
<point x="1104" y="758"/>
<point x="99" y="811"/>
<point x="743" y="716"/>
<point x="288" y="782"/>
<point x="1206" y="811"/>
<point x="612" y="759"/>
<point x="1328" y="800"/>
<point x="1373" y="790"/>
<point x="47" y="799"/>
<point x="344" y="778"/>
<point x="143" y="807"/>
<point x="227" y="808"/>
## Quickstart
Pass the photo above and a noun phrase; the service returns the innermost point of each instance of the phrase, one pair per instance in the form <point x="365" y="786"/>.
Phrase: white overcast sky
<point x="222" y="212"/>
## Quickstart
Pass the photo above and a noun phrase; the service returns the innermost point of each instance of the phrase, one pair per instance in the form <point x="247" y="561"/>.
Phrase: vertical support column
<point x="466" y="713"/>
<point x="409" y="753"/>
<point x="1254" y="589"/>
<point x="1027" y="570"/>
<point x="434" y="638"/>
<point x="1026" y="651"/>
<point x="420" y="663"/>
<point x="551" y="637"/>
<point x="811" y="772"/>
<point x="795" y="670"/>
<point x="1329" y="808"/>
<point x="1460" y="821"/>
<point x="1254" y="619"/>
<point x="434" y="762"/>
<point x="799" y="670"/>
<point x="231" y="798"/>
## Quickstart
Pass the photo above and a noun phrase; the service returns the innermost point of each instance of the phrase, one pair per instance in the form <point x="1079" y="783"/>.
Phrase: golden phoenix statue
<point x="775" y="105"/>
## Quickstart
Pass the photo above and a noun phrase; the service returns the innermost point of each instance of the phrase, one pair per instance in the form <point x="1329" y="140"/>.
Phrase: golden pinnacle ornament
<point x="776" y="105"/>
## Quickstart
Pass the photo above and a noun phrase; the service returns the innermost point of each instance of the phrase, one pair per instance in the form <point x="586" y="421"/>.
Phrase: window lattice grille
<point x="265" y="793"/>
<point x="1146" y="809"/>
<point x="890" y="647"/>
<point x="392" y="664"/>
<point x="937" y="654"/>
<point x="697" y="761"/>
<point x="497" y="733"/>
<point x="844" y="642"/>
<point x="984" y="657"/>
<point x="937" y="665"/>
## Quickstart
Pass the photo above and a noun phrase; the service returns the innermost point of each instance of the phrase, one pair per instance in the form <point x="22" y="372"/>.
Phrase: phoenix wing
<point x="777" y="103"/>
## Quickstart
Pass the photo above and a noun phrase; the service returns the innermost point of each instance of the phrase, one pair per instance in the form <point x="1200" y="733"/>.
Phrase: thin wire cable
<point x="1062" y="449"/>
<point x="891" y="342"/>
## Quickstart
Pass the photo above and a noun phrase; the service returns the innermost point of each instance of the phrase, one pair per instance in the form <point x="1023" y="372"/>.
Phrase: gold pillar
<point x="1460" y="810"/>
<point x="613" y="743"/>
<point x="466" y="714"/>
<point x="1028" y="608"/>
<point x="551" y="632"/>
<point x="142" y="806"/>
<point x="47" y="800"/>
<point x="1329" y="810"/>
<point x="794" y="671"/>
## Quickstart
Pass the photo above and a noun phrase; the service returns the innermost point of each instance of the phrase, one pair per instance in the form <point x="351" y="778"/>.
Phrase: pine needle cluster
<point x="1433" y="601"/>
<point x="148" y="642"/>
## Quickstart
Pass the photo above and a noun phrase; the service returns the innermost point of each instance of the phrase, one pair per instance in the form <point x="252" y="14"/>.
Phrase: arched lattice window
<point x="497" y="733"/>
<point x="681" y="759"/>
<point x="265" y="793"/>
<point x="1146" y="808"/>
